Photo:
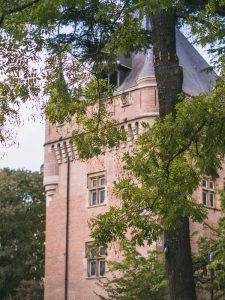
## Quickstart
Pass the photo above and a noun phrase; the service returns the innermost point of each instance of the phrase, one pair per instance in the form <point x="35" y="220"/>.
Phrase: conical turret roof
<point x="196" y="78"/>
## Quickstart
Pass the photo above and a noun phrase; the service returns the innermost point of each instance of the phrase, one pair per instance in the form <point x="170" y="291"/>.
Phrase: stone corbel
<point x="50" y="184"/>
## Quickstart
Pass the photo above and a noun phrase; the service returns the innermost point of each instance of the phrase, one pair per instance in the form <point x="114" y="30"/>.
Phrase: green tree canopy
<point x="209" y="261"/>
<point x="135" y="277"/>
<point x="22" y="214"/>
<point x="171" y="158"/>
<point x="81" y="36"/>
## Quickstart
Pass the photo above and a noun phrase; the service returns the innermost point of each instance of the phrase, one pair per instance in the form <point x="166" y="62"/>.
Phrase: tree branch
<point x="16" y="10"/>
<point x="185" y="147"/>
<point x="212" y="228"/>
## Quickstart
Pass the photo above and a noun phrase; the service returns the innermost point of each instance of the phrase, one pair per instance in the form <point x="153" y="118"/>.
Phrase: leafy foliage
<point x="89" y="53"/>
<point x="211" y="274"/>
<point x="135" y="277"/>
<point x="20" y="79"/>
<point x="208" y="25"/>
<point x="80" y="37"/>
<point x="19" y="82"/>
<point x="22" y="214"/>
<point x="96" y="32"/>
<point x="165" y="169"/>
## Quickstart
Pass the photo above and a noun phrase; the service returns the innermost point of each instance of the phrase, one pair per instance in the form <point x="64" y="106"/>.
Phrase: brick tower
<point x="78" y="190"/>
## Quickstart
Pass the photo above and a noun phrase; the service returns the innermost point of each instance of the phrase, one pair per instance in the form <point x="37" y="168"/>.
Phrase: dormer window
<point x="122" y="72"/>
<point x="124" y="66"/>
<point x="113" y="78"/>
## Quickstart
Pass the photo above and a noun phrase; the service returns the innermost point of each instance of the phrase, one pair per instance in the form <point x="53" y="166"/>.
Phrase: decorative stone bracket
<point x="50" y="184"/>
<point x="65" y="150"/>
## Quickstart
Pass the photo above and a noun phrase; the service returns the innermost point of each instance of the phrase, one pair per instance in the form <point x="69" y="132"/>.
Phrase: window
<point x="125" y="99"/>
<point x="97" y="189"/>
<point x="212" y="199"/>
<point x="95" y="260"/>
<point x="205" y="197"/>
<point x="204" y="183"/>
<point x="211" y="185"/>
<point x="208" y="193"/>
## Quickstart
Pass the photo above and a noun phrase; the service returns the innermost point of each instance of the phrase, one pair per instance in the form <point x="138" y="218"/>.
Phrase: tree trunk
<point x="169" y="77"/>
<point x="179" y="263"/>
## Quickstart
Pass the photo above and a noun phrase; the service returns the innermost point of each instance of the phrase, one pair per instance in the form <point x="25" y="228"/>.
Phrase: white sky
<point x="28" y="153"/>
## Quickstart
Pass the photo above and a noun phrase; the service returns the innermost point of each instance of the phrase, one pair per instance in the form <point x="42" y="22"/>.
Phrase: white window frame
<point x="205" y="192"/>
<point x="208" y="189"/>
<point x="213" y="201"/>
<point x="96" y="188"/>
<point x="204" y="183"/>
<point x="97" y="259"/>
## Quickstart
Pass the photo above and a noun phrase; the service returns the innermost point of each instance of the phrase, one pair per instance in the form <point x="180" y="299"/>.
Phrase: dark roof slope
<point x="197" y="79"/>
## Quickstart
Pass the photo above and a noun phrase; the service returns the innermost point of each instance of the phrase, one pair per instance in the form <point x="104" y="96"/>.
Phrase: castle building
<point x="78" y="190"/>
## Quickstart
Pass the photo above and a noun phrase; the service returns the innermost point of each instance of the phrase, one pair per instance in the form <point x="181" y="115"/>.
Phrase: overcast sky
<point x="28" y="153"/>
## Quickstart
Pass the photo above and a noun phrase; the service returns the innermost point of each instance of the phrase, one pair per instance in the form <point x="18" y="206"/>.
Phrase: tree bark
<point x="179" y="263"/>
<point x="169" y="77"/>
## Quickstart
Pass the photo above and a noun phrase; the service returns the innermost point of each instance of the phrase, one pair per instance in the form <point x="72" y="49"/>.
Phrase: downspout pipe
<point x="67" y="228"/>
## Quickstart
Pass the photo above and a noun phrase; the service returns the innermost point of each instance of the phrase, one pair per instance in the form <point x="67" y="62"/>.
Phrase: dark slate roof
<point x="196" y="79"/>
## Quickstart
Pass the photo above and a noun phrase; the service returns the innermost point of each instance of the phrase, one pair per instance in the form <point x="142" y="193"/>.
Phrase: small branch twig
<point x="16" y="10"/>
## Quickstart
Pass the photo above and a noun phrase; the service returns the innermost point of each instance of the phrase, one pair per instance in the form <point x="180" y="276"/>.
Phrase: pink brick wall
<point x="144" y="107"/>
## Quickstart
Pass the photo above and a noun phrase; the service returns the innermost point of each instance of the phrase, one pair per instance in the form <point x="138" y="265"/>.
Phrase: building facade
<point x="77" y="191"/>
